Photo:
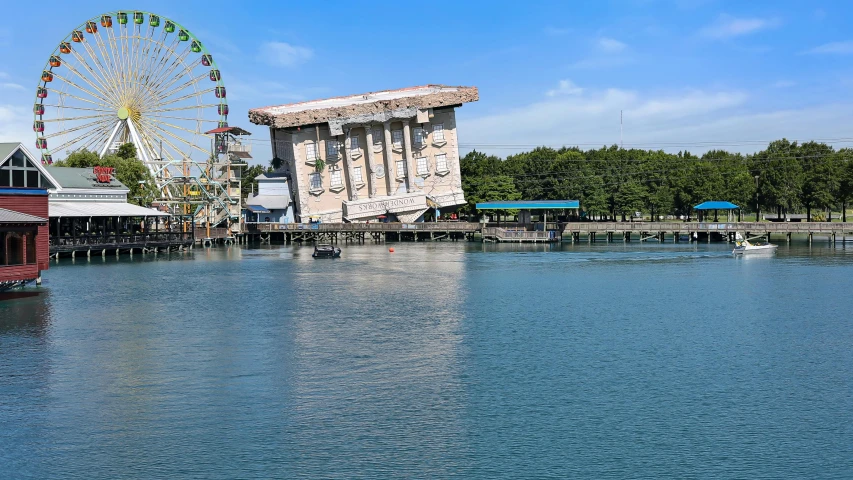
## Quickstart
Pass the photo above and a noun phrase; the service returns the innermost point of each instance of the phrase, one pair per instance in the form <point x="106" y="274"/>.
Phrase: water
<point x="439" y="360"/>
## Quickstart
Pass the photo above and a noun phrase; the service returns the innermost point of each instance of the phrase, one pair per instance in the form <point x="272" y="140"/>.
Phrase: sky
<point x="683" y="74"/>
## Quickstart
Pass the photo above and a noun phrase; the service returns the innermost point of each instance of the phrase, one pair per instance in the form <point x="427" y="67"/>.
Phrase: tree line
<point x="786" y="177"/>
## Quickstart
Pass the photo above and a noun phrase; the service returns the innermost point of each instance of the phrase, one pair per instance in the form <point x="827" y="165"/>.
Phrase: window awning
<point x="101" y="209"/>
<point x="257" y="209"/>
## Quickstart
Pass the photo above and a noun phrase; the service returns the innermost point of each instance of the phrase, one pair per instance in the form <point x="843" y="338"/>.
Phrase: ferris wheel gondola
<point x="130" y="77"/>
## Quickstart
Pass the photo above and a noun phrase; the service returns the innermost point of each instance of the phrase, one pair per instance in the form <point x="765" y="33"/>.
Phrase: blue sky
<point x="688" y="74"/>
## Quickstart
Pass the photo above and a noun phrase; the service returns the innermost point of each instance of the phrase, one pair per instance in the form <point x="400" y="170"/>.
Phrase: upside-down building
<point x="391" y="154"/>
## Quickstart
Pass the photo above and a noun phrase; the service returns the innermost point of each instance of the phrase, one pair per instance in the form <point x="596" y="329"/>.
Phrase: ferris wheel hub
<point x="123" y="113"/>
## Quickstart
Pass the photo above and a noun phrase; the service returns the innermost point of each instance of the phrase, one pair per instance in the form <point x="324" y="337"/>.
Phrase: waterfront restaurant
<point x="87" y="207"/>
<point x="391" y="155"/>
<point x="23" y="220"/>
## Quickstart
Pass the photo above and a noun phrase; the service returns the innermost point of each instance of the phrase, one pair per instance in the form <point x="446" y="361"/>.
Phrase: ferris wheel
<point x="130" y="76"/>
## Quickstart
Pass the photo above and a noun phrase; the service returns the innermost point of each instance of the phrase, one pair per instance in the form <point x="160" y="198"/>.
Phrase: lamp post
<point x="757" y="207"/>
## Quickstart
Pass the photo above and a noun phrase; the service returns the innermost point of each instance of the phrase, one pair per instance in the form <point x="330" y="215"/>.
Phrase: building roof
<point x="271" y="202"/>
<point x="11" y="216"/>
<point x="529" y="205"/>
<point x="101" y="209"/>
<point x="365" y="104"/>
<point x="6" y="149"/>
<point x="68" y="177"/>
<point x="716" y="205"/>
<point x="272" y="176"/>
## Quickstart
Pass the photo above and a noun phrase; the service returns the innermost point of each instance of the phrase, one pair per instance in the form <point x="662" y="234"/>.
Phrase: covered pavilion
<point x="525" y="207"/>
<point x="716" y="205"/>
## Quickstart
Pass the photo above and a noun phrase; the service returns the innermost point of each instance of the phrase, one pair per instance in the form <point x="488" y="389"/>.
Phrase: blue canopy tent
<point x="716" y="205"/>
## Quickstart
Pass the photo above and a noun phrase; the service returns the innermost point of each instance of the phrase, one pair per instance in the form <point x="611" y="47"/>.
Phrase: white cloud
<point x="610" y="45"/>
<point x="11" y="86"/>
<point x="283" y="54"/>
<point x="833" y="48"/>
<point x="729" y="27"/>
<point x="565" y="87"/>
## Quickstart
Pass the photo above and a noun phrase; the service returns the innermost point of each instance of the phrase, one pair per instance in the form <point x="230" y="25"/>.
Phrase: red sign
<point x="104" y="174"/>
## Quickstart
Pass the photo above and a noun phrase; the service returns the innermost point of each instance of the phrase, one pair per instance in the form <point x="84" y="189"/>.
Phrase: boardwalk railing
<point x="705" y="227"/>
<point x="119" y="240"/>
<point x="361" y="227"/>
<point x="504" y="235"/>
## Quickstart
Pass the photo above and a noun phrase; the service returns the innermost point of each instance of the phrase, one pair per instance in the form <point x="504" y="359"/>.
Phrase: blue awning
<point x="716" y="205"/>
<point x="529" y="205"/>
<point x="257" y="209"/>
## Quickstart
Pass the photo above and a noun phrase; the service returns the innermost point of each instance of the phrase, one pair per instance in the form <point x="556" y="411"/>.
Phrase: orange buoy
<point x="391" y="249"/>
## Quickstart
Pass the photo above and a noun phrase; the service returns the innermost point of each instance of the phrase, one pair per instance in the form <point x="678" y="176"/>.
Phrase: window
<point x="315" y="181"/>
<point x="353" y="145"/>
<point x="31" y="247"/>
<point x="377" y="136"/>
<point x="441" y="162"/>
<point x="332" y="147"/>
<point x="438" y="132"/>
<point x="419" y="136"/>
<point x="310" y="151"/>
<point x="401" y="168"/>
<point x="423" y="167"/>
<point x="335" y="177"/>
<point x="20" y="171"/>
<point x="397" y="138"/>
<point x="356" y="175"/>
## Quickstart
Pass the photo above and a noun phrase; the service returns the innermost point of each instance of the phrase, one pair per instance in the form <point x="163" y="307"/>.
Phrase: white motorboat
<point x="743" y="246"/>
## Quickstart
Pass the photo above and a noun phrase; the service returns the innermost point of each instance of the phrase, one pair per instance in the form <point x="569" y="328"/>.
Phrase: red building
<point x="23" y="220"/>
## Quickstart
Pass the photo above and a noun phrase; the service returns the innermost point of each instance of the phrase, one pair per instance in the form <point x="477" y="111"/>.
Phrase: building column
<point x="387" y="149"/>
<point x="353" y="193"/>
<point x="407" y="148"/>
<point x="371" y="160"/>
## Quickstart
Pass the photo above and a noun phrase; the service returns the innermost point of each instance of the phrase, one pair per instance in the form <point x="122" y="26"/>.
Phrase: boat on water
<point x="744" y="246"/>
<point x="326" y="251"/>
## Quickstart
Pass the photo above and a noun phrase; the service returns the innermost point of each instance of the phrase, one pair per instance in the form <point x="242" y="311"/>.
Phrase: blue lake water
<point x="438" y="360"/>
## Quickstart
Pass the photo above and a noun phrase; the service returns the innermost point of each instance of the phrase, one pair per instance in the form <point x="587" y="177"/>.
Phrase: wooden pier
<point x="116" y="244"/>
<point x="358" y="232"/>
<point x="701" y="231"/>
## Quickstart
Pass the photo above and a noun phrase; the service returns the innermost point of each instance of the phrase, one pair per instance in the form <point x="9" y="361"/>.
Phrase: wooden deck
<point x="120" y="243"/>
<point x="359" y="232"/>
<point x="705" y="230"/>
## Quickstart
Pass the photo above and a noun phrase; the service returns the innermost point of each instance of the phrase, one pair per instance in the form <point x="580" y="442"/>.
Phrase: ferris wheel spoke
<point x="71" y="119"/>
<point x="169" y="85"/>
<point x="163" y="60"/>
<point x="186" y="119"/>
<point x="78" y="87"/>
<point x="103" y="94"/>
<point x="189" y="83"/>
<point x="111" y="74"/>
<point x="176" y="62"/>
<point x="102" y="79"/>
<point x="189" y="144"/>
<point x="175" y="109"/>
<point x="62" y="94"/>
<point x="95" y="140"/>
<point x="180" y="99"/>
<point x="75" y="140"/>
<point x="76" y="108"/>
<point x="179" y="153"/>
<point x="77" y="128"/>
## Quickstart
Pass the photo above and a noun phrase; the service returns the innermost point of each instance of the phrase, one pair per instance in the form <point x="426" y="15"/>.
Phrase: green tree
<point x="821" y="176"/>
